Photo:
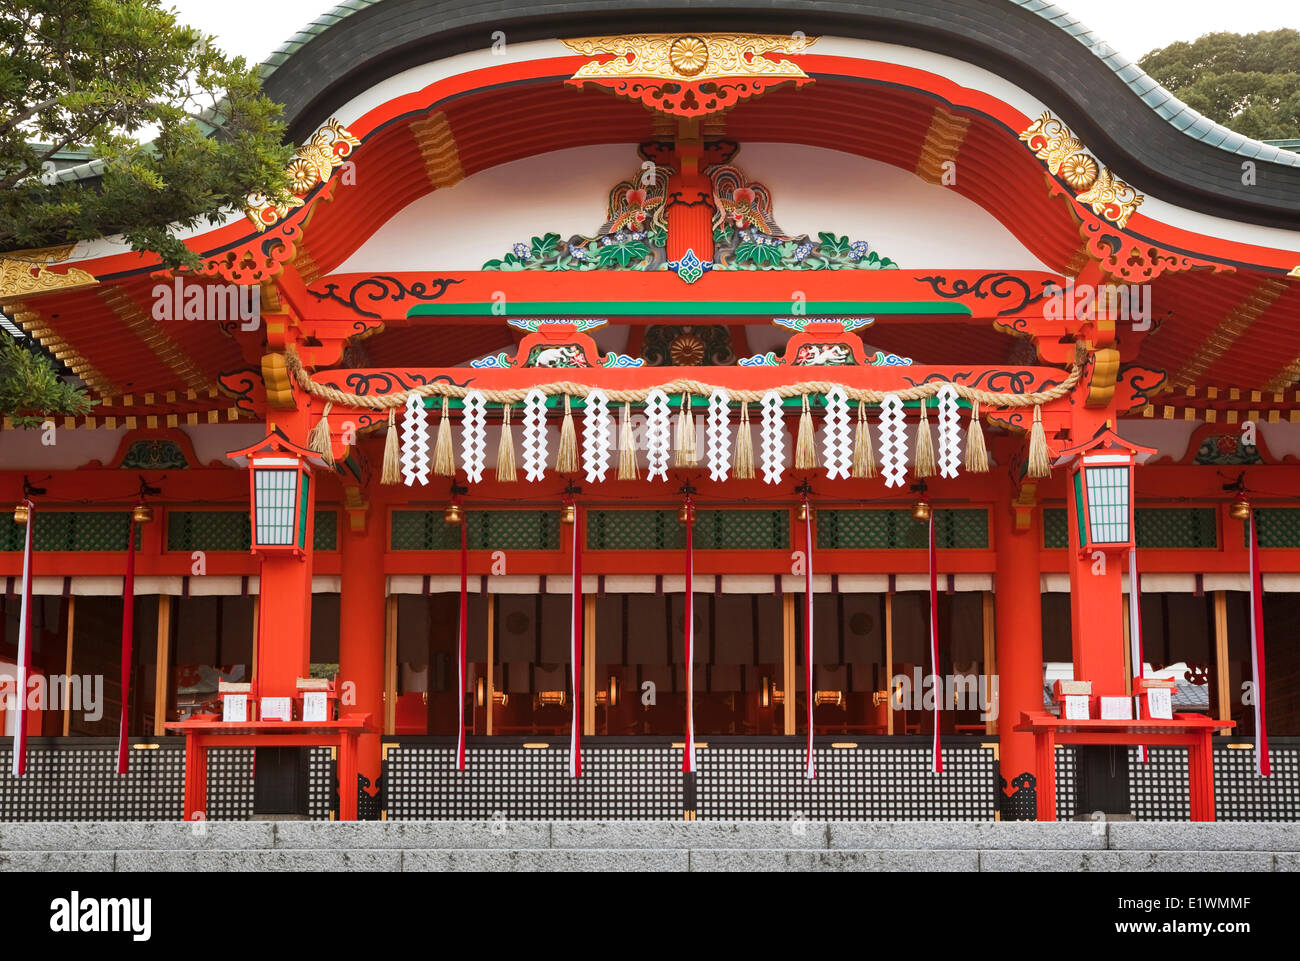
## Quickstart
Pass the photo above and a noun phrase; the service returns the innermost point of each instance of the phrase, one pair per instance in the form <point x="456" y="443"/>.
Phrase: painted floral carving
<point x="746" y="235"/>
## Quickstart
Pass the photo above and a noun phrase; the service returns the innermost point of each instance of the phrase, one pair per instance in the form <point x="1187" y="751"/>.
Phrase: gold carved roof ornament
<point x="24" y="273"/>
<point x="311" y="165"/>
<point x="1091" y="182"/>
<point x="690" y="75"/>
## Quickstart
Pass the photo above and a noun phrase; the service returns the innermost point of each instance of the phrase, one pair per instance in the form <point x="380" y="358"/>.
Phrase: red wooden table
<point x="201" y="735"/>
<point x="1192" y="731"/>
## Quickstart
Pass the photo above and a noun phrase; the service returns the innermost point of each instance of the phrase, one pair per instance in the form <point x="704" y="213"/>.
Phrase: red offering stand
<point x="1192" y="731"/>
<point x="203" y="734"/>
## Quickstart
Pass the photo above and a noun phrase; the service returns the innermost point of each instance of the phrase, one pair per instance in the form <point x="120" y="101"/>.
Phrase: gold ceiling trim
<point x="28" y="276"/>
<point x="943" y="141"/>
<point x="437" y="145"/>
<point x="155" y="337"/>
<point x="675" y="56"/>
<point x="312" y="164"/>
<point x="1092" y="183"/>
<point x="1228" y="332"/>
<point x="37" y="327"/>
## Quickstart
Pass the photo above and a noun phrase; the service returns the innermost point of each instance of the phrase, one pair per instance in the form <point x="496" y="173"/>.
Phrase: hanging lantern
<point x="280" y="483"/>
<point x="21" y="513"/>
<point x="1240" y="509"/>
<point x="141" y="514"/>
<point x="1102" y="479"/>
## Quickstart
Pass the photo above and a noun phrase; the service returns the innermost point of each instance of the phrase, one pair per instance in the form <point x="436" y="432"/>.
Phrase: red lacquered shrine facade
<point x="926" y="337"/>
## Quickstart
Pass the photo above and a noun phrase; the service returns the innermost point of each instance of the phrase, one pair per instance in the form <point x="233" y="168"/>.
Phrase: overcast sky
<point x="254" y="28"/>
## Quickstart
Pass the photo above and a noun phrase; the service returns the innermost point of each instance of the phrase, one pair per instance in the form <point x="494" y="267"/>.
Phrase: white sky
<point x="254" y="28"/>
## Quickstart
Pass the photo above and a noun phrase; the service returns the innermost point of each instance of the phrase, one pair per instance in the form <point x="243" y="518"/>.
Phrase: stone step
<point x="178" y="836"/>
<point x="645" y="860"/>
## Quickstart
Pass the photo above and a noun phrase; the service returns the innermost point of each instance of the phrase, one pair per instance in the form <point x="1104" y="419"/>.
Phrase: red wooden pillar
<point x="361" y="640"/>
<point x="1019" y="620"/>
<point x="1096" y="613"/>
<point x="284" y="614"/>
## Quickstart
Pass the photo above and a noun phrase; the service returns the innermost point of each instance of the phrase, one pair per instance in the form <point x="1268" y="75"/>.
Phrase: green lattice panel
<point x="208" y="531"/>
<point x="1056" y="532"/>
<point x="1277" y="527"/>
<point x="898" y="530"/>
<point x="659" y="530"/>
<point x="71" y="531"/>
<point x="485" y="531"/>
<point x="1179" y="527"/>
<point x="1184" y="527"/>
<point x="325" y="537"/>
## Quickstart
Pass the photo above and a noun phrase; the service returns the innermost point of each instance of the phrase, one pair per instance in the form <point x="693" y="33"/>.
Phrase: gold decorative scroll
<point x="673" y="56"/>
<point x="25" y="273"/>
<point x="690" y="75"/>
<point x="311" y="165"/>
<point x="1093" y="184"/>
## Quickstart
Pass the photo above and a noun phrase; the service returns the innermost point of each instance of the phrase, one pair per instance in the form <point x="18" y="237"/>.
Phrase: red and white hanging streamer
<point x="575" y="651"/>
<point x="688" y="760"/>
<point x="1135" y="635"/>
<point x="128" y="635"/>
<point x="810" y="765"/>
<point x="1263" y="767"/>
<point x="464" y="637"/>
<point x="24" y="647"/>
<point x="936" y="765"/>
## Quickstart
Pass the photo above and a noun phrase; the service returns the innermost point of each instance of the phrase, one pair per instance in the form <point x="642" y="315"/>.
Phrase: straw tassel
<point x="319" y="438"/>
<point x="686" y="454"/>
<point x="1040" y="463"/>
<point x="444" y="459"/>
<point x="506" y="448"/>
<point x="566" y="458"/>
<point x="977" y="453"/>
<point x="391" y="472"/>
<point x="627" y="468"/>
<point x="805" y="448"/>
<point x="864" y="456"/>
<point x="743" y="469"/>
<point x="925" y="463"/>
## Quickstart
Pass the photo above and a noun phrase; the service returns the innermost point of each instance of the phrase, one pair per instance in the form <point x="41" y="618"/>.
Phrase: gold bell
<point x="568" y="513"/>
<point x="802" y="514"/>
<point x="453" y="514"/>
<point x="1240" y="509"/>
<point x="141" y="514"/>
<point x="21" y="513"/>
<point x="921" y="510"/>
<point x="686" y="514"/>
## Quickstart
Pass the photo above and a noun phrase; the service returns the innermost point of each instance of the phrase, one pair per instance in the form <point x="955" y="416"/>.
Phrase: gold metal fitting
<point x="22" y="513"/>
<point x="921" y="510"/>
<point x="1240" y="509"/>
<point x="453" y="514"/>
<point x="141" y="514"/>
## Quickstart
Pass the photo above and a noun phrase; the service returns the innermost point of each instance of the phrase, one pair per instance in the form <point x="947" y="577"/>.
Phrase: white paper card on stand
<point x="314" y="706"/>
<point x="234" y="707"/>
<point x="1076" y="707"/>
<point x="1160" y="703"/>
<point x="1116" y="709"/>
<point x="276" y="709"/>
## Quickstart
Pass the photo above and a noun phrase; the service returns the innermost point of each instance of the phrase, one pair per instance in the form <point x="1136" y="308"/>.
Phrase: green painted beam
<point x="688" y="308"/>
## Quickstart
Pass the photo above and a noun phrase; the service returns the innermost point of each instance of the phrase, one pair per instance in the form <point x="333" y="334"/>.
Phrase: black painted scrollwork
<point x="1000" y="286"/>
<point x="384" y="287"/>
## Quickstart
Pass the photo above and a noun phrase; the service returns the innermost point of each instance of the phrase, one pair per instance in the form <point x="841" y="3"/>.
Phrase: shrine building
<point x="726" y="411"/>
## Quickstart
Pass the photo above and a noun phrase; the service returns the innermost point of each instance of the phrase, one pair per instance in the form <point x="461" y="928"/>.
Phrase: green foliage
<point x="100" y="76"/>
<point x="30" y="387"/>
<point x="1248" y="82"/>
<point x="760" y="255"/>
<point x="623" y="254"/>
